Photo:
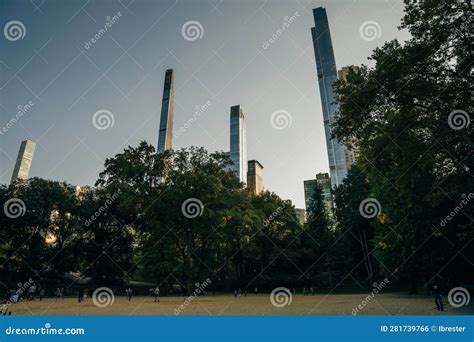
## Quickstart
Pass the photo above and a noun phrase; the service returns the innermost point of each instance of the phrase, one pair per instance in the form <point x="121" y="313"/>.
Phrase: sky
<point x="224" y="58"/>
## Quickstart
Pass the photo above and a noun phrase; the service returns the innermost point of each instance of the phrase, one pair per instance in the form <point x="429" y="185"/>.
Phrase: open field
<point x="334" y="304"/>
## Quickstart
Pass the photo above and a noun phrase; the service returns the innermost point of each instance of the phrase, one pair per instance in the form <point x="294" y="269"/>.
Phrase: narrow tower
<point x="327" y="76"/>
<point x="165" y="134"/>
<point x="238" y="143"/>
<point x="23" y="161"/>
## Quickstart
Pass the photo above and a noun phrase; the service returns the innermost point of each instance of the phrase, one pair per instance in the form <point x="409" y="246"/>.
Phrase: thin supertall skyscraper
<point x="165" y="134"/>
<point x="238" y="143"/>
<point x="23" y="161"/>
<point x="327" y="76"/>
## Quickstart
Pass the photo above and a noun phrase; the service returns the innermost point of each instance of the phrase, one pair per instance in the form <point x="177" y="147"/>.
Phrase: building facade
<point x="323" y="181"/>
<point x="300" y="215"/>
<point x="165" y="134"/>
<point x="23" y="161"/>
<point x="255" y="176"/>
<point x="327" y="76"/>
<point x="238" y="143"/>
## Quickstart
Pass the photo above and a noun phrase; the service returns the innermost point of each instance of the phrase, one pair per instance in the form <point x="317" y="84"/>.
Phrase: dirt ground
<point x="334" y="304"/>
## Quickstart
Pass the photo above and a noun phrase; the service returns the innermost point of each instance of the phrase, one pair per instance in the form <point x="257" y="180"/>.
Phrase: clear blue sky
<point x="123" y="72"/>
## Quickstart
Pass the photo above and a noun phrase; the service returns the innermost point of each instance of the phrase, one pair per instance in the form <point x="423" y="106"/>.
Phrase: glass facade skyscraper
<point x="327" y="76"/>
<point x="165" y="134"/>
<point x="238" y="143"/>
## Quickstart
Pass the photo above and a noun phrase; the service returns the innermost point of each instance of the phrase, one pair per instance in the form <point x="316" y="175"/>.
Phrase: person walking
<point x="256" y="290"/>
<point x="80" y="294"/>
<point x="129" y="293"/>
<point x="438" y="297"/>
<point x="41" y="294"/>
<point x="157" y="294"/>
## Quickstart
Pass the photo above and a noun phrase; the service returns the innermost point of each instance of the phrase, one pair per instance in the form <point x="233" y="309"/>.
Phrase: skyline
<point x="240" y="70"/>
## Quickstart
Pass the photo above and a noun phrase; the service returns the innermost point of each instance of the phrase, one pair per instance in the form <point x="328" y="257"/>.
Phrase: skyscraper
<point x="238" y="143"/>
<point x="327" y="76"/>
<point x="324" y="183"/>
<point x="23" y="161"/>
<point x="165" y="133"/>
<point x="255" y="176"/>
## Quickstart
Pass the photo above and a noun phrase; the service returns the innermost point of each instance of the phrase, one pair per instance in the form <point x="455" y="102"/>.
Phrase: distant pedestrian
<point x="41" y="294"/>
<point x="311" y="289"/>
<point x="157" y="294"/>
<point x="80" y="295"/>
<point x="256" y="290"/>
<point x="129" y="293"/>
<point x="240" y="293"/>
<point x="58" y="293"/>
<point x="438" y="297"/>
<point x="245" y="293"/>
<point x="235" y="293"/>
<point x="304" y="291"/>
<point x="61" y="294"/>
